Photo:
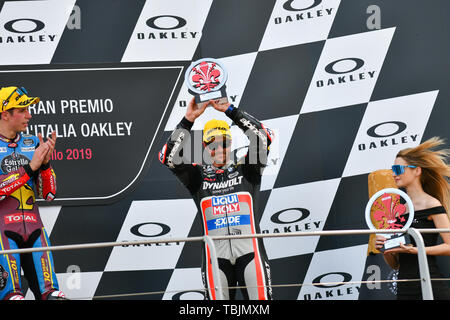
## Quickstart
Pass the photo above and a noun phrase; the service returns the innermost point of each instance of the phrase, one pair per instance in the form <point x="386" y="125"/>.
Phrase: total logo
<point x="19" y="217"/>
<point x="225" y="204"/>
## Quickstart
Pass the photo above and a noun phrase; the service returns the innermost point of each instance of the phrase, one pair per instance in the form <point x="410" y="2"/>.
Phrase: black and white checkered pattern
<point x="342" y="98"/>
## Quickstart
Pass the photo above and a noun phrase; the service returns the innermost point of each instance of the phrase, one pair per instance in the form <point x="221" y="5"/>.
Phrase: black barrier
<point x="106" y="120"/>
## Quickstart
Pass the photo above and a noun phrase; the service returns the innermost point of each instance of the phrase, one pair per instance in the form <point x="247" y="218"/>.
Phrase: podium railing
<point x="416" y="234"/>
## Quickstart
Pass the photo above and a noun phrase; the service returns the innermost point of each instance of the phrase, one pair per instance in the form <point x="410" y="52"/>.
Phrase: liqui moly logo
<point x="225" y="204"/>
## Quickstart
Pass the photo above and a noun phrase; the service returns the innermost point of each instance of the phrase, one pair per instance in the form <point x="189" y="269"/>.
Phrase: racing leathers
<point x="227" y="199"/>
<point x="20" y="222"/>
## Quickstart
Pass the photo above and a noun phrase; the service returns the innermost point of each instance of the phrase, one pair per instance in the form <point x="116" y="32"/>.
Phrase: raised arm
<point x="260" y="137"/>
<point x="171" y="154"/>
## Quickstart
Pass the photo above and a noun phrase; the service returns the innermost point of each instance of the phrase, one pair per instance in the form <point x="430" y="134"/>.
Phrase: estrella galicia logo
<point x="292" y="220"/>
<point x="26" y="30"/>
<point x="387" y="134"/>
<point x="13" y="161"/>
<point x="345" y="71"/>
<point x="301" y="12"/>
<point x="167" y="27"/>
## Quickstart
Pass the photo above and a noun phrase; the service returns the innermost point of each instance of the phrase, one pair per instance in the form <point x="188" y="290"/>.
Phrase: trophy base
<point x="219" y="95"/>
<point x="394" y="240"/>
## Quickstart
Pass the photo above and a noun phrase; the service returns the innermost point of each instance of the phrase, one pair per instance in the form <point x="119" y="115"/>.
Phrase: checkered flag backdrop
<point x="343" y="84"/>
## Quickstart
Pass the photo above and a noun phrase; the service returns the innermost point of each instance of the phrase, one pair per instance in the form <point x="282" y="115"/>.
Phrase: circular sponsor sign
<point x="385" y="211"/>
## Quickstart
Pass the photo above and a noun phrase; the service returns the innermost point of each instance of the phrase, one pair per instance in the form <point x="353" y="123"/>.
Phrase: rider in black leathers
<point x="226" y="195"/>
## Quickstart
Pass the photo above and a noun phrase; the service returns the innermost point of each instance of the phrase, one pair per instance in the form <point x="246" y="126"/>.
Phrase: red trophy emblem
<point x="385" y="211"/>
<point x="205" y="79"/>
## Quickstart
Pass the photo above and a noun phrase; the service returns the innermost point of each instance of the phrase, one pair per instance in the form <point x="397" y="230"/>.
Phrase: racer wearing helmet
<point x="226" y="194"/>
<point x="24" y="170"/>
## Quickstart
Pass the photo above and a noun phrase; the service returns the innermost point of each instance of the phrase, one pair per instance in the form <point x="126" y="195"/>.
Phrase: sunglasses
<point x="20" y="91"/>
<point x="214" y="145"/>
<point x="399" y="169"/>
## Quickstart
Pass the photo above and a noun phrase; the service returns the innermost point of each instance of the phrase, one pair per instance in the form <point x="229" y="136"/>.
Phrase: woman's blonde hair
<point x="435" y="170"/>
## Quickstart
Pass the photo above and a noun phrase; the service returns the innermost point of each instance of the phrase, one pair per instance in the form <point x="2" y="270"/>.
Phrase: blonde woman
<point x="423" y="173"/>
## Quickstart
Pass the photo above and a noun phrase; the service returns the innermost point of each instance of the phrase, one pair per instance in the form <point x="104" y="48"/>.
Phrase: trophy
<point x="385" y="211"/>
<point x="205" y="79"/>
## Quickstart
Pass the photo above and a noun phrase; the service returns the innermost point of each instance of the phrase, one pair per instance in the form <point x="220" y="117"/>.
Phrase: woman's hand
<point x="409" y="248"/>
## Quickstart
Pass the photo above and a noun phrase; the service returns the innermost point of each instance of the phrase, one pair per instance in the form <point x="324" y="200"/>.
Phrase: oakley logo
<point x="344" y="71"/>
<point x="400" y="127"/>
<point x="189" y="295"/>
<point x="288" y="5"/>
<point x="12" y="26"/>
<point x="167" y="26"/>
<point x="346" y="277"/>
<point x="175" y="22"/>
<point x="26" y="31"/>
<point x="384" y="130"/>
<point x="301" y="13"/>
<point x="304" y="213"/>
<point x="137" y="230"/>
<point x="290" y="219"/>
<point x="329" y="290"/>
<point x="330" y="68"/>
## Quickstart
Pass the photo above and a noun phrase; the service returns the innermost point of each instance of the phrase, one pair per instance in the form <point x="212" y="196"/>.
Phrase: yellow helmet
<point x="215" y="128"/>
<point x="15" y="97"/>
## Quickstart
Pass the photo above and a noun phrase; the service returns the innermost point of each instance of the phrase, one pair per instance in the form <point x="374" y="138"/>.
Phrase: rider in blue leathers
<point x="25" y="172"/>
